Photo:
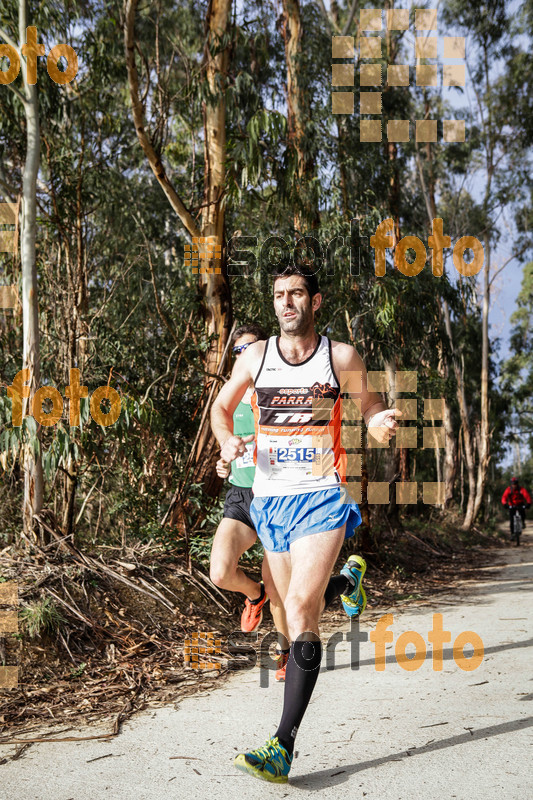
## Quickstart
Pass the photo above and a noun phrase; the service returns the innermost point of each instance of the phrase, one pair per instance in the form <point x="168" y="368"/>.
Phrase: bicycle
<point x="516" y="524"/>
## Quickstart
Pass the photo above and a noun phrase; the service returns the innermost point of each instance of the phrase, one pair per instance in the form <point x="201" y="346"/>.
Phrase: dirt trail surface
<point x="384" y="735"/>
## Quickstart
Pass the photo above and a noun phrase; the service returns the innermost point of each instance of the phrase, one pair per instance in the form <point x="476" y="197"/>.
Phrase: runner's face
<point x="292" y="305"/>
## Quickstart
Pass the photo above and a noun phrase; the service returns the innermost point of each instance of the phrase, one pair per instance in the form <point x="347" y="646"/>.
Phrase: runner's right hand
<point x="383" y="424"/>
<point x="234" y="447"/>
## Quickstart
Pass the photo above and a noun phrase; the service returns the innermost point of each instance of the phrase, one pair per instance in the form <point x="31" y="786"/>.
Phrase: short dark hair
<point x="310" y="279"/>
<point x="255" y="330"/>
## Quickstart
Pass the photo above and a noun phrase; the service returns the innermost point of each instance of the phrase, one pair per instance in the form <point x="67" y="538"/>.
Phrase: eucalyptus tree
<point x="209" y="82"/>
<point x="504" y="164"/>
<point x="26" y="92"/>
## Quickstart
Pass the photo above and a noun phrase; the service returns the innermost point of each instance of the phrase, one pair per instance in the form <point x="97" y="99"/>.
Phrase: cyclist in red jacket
<point x="515" y="495"/>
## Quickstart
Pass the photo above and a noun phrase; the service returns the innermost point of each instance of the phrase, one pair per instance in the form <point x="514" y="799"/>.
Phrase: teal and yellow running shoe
<point x="269" y="763"/>
<point x="355" y="603"/>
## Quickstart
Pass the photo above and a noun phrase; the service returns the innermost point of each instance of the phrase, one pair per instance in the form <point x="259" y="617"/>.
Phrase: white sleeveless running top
<point x="288" y="453"/>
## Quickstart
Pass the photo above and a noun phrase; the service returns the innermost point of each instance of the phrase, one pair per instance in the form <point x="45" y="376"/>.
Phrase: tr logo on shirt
<point x="288" y="417"/>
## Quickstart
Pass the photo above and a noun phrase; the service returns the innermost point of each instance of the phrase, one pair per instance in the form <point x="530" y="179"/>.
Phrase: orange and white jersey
<point x="292" y="446"/>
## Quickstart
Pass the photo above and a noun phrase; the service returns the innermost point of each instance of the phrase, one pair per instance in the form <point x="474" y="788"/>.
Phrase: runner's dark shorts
<point x="237" y="505"/>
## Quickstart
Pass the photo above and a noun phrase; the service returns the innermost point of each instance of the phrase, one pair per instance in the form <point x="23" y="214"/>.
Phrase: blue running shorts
<point x="279" y="521"/>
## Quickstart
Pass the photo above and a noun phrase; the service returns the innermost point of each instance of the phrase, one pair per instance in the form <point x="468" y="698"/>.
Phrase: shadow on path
<point x="447" y="655"/>
<point x="316" y="781"/>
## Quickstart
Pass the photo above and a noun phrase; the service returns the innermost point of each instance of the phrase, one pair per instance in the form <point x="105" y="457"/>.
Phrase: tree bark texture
<point x="305" y="209"/>
<point x="484" y="435"/>
<point x="33" y="472"/>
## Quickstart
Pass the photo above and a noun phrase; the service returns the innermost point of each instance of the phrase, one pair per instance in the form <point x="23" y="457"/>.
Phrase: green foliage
<point x="41" y="617"/>
<point x="517" y="373"/>
<point x="77" y="672"/>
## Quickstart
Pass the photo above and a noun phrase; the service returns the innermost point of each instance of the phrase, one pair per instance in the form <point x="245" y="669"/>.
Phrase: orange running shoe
<point x="252" y="613"/>
<point x="282" y="660"/>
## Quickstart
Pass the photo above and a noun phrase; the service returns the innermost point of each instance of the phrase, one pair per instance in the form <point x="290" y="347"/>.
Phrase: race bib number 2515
<point x="287" y="455"/>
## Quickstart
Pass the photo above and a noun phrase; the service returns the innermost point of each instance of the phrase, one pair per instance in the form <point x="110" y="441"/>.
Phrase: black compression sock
<point x="303" y="667"/>
<point x="255" y="602"/>
<point x="337" y="585"/>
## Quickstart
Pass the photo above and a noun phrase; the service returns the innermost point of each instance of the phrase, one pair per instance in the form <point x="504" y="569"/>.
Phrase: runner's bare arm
<point x="244" y="371"/>
<point x="380" y="419"/>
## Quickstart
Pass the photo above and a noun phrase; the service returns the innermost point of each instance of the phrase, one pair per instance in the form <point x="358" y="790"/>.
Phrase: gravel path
<point x="384" y="735"/>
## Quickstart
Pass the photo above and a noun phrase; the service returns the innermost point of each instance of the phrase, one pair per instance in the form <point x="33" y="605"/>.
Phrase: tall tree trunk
<point x="305" y="208"/>
<point x="69" y="496"/>
<point x="364" y="536"/>
<point x="398" y="458"/>
<point x="468" y="446"/>
<point x="450" y="455"/>
<point x="484" y="437"/>
<point x="214" y="286"/>
<point x="450" y="441"/>
<point x="484" y="433"/>
<point x="75" y="312"/>
<point x="462" y="468"/>
<point x="33" y="472"/>
<point x="342" y="168"/>
<point x="393" y="468"/>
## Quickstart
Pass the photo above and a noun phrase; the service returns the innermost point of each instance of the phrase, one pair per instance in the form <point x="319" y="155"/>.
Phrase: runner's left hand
<point x="223" y="469"/>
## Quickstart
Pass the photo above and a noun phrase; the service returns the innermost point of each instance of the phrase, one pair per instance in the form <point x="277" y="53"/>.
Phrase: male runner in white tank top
<point x="302" y="513"/>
